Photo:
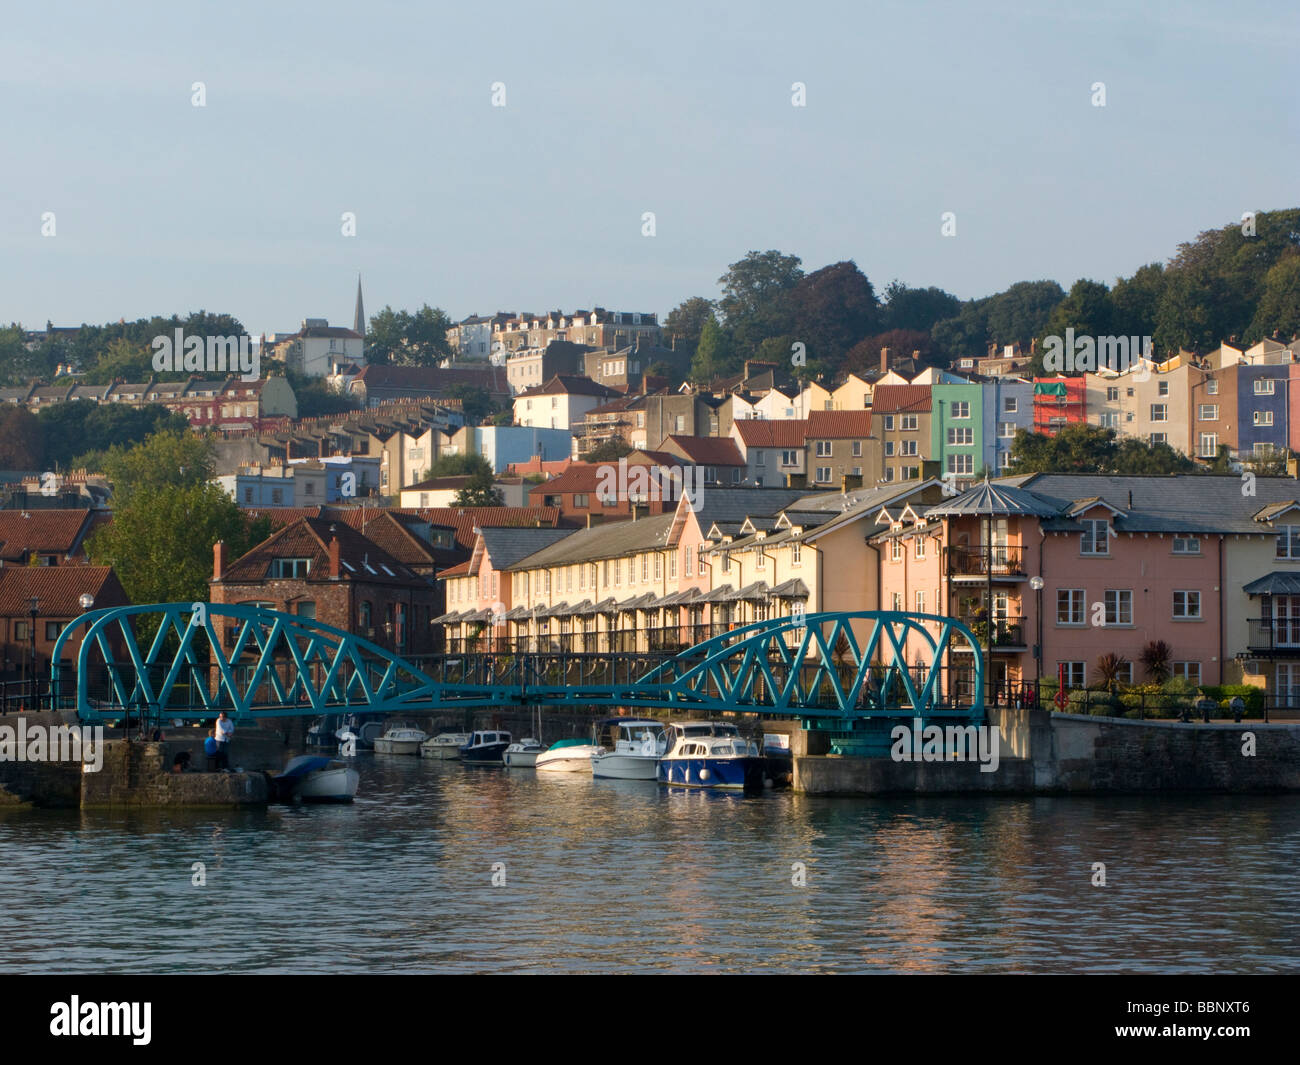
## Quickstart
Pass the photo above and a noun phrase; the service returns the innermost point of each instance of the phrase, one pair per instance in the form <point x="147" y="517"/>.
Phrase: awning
<point x="554" y="611"/>
<point x="641" y="602"/>
<point x="606" y="606"/>
<point x="448" y="618"/>
<point x="1274" y="584"/>
<point x="584" y="607"/>
<point x="722" y="594"/>
<point x="477" y="615"/>
<point x="791" y="589"/>
<point x="755" y="591"/>
<point x="518" y="613"/>
<point x="688" y="595"/>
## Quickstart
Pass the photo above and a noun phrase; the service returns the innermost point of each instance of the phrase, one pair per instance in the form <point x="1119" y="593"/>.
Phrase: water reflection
<point x="605" y="875"/>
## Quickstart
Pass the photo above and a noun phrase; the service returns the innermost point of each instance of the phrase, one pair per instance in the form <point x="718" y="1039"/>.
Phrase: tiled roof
<point x="901" y="399"/>
<point x="760" y="432"/>
<point x="362" y="559"/>
<point x="58" y="589"/>
<point x="43" y="531"/>
<point x="464" y="520"/>
<point x="839" y="424"/>
<point x="602" y="541"/>
<point x="433" y="378"/>
<point x="708" y="450"/>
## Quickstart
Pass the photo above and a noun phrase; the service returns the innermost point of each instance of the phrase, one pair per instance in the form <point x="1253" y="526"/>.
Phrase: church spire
<point x="359" y="318"/>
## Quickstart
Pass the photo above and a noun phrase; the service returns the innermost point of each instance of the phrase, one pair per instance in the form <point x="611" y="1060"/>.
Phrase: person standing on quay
<point x="225" y="733"/>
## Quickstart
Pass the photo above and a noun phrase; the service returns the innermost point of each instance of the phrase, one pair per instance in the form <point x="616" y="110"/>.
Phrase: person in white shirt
<point x="225" y="733"/>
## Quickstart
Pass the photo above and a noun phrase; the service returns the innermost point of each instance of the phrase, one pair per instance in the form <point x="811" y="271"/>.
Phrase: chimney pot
<point x="218" y="559"/>
<point x="335" y="567"/>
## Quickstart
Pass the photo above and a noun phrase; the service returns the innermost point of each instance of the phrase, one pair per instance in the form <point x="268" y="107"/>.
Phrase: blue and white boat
<point x="312" y="778"/>
<point x="710" y="754"/>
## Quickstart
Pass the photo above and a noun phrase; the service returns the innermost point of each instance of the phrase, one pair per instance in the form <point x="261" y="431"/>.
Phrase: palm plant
<point x="1155" y="660"/>
<point x="1110" y="667"/>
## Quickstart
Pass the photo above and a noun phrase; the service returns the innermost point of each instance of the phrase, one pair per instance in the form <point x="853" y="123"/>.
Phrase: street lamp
<point x="1036" y="583"/>
<point x="34" y="606"/>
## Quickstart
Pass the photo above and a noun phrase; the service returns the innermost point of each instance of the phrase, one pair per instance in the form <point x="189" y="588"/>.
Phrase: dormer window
<point x="1096" y="537"/>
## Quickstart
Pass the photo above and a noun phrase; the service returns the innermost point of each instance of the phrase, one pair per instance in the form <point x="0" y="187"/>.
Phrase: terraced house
<point x="901" y="415"/>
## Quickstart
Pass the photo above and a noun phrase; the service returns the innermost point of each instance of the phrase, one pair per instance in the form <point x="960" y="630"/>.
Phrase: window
<point x="1069" y="606"/>
<point x="1288" y="542"/>
<point x="896" y="550"/>
<point x="1010" y="405"/>
<point x="889" y="449"/>
<point x="960" y="437"/>
<point x="306" y="608"/>
<point x="910" y="473"/>
<point x="20" y="630"/>
<point x="918" y="547"/>
<point x="760" y="458"/>
<point x="961" y="465"/>
<point x="889" y="474"/>
<point x="1187" y="606"/>
<point x="1159" y="412"/>
<point x="896" y="603"/>
<point x="1208" y="412"/>
<point x="960" y="408"/>
<point x="910" y="423"/>
<point x="823" y="474"/>
<point x="1263" y="417"/>
<point x="889" y="423"/>
<point x="1109" y="420"/>
<point x="1212" y="387"/>
<point x="920" y="602"/>
<point x="659" y="566"/>
<point x="796" y="553"/>
<point x="53" y="628"/>
<point x="1119" y="606"/>
<point x="1096" y="538"/>
<point x="1006" y="430"/>
<point x="582" y="578"/>
<point x="823" y="449"/>
<point x="688" y="562"/>
<point x="1157" y="438"/>
<point x="1075" y="673"/>
<point x="1187" y="545"/>
<point x="1190" y="670"/>
<point x="1264" y="387"/>
<point x="789" y="458"/>
<point x="1207" y="445"/>
<point x="1112" y="395"/>
<point x="857" y="449"/>
<point x="760" y="559"/>
<point x="672" y="566"/>
<point x="290" y="568"/>
<point x="909" y="447"/>
<point x="1162" y="388"/>
<point x="365" y="612"/>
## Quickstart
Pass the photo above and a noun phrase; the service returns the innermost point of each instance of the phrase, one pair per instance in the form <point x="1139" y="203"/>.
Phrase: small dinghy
<point x="314" y="778"/>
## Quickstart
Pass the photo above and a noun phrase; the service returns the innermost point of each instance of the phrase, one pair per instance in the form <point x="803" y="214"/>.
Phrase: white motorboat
<point x="630" y="749"/>
<point x="566" y="756"/>
<point x="446" y="745"/>
<point x="523" y="755"/>
<point x="400" y="739"/>
<point x="313" y="778"/>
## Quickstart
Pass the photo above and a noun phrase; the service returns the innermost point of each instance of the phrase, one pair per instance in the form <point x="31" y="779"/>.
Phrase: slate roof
<point x="506" y="546"/>
<point x="990" y="499"/>
<point x="602" y="541"/>
<point x="569" y="385"/>
<point x="1274" y="584"/>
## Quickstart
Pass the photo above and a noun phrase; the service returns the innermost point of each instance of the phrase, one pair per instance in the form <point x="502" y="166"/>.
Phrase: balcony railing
<point x="1276" y="635"/>
<point x="1008" y="633"/>
<point x="1002" y="560"/>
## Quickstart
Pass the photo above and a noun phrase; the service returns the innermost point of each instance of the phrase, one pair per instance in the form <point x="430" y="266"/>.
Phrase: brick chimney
<point x="218" y="559"/>
<point x="334" y="558"/>
<point x="884" y="360"/>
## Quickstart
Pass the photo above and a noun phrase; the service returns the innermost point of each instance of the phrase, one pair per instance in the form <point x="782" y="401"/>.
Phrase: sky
<point x="385" y="110"/>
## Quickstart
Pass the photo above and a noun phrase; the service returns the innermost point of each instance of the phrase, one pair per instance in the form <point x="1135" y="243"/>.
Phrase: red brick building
<point x="328" y="571"/>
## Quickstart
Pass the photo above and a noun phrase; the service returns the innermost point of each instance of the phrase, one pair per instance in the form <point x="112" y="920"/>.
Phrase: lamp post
<point x="34" y="606"/>
<point x="1036" y="583"/>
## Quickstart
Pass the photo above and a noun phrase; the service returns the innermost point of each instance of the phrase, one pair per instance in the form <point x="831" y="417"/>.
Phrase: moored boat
<point x="710" y="754"/>
<point x="400" y="739"/>
<point x="630" y="749"/>
<point x="446" y="745"/>
<point x="315" y="778"/>
<point x="485" y="747"/>
<point x="566" y="756"/>
<point x="523" y="755"/>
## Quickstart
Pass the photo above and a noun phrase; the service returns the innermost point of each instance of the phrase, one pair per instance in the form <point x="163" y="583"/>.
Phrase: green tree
<point x="917" y="308"/>
<point x="22" y="440"/>
<point x="755" y="301"/>
<point x="458" y="464"/>
<point x="714" y="355"/>
<point x="611" y="450"/>
<point x="164" y="460"/>
<point x="426" y="337"/>
<point x="1134" y="458"/>
<point x="1078" y="448"/>
<point x="1278" y="310"/>
<point x="685" y="322"/>
<point x="124" y="360"/>
<point x="386" y="337"/>
<point x="475" y="402"/>
<point x="480" y="491"/>
<point x="1086" y="310"/>
<point x="833" y="308"/>
<point x="69" y="427"/>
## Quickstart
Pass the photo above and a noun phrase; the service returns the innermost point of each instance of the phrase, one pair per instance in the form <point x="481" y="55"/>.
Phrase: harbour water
<point x="612" y="876"/>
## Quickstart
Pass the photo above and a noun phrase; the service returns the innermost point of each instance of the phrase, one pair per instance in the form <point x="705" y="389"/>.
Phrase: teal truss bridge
<point x="191" y="660"/>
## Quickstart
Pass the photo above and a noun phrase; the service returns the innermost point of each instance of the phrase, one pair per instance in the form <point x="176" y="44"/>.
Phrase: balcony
<point x="1001" y="561"/>
<point x="1274" y="637"/>
<point x="1008" y="636"/>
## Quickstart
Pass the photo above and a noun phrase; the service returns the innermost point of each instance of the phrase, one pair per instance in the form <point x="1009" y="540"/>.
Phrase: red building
<point x="1058" y="402"/>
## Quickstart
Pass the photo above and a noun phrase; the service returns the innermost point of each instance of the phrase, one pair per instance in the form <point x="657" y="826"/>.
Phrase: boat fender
<point x="704" y="774"/>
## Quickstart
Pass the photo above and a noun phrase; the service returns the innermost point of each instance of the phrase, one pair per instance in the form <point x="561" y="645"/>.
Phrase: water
<point x="607" y="876"/>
